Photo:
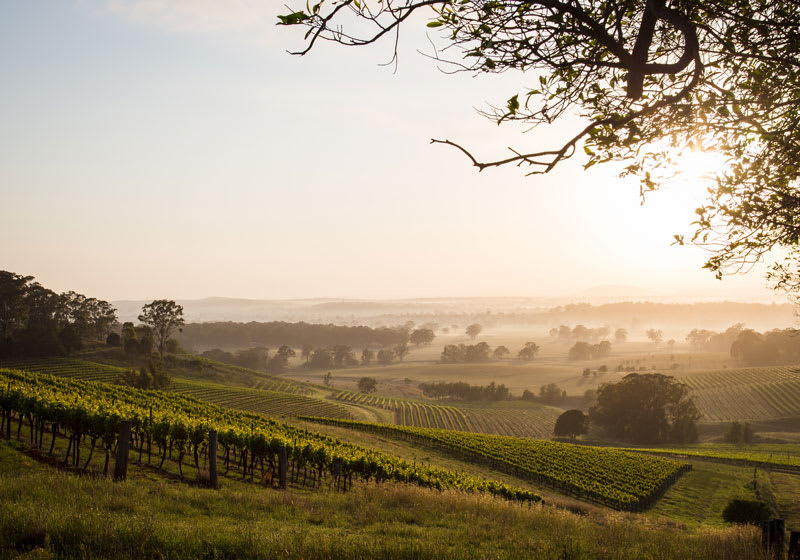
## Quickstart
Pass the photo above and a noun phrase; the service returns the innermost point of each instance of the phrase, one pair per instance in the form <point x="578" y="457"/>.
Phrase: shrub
<point x="750" y="512"/>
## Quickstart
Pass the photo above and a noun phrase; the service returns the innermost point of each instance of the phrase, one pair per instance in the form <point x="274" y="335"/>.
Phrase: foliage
<point x="466" y="353"/>
<point x="651" y="83"/>
<point x="752" y="512"/>
<point x="252" y="358"/>
<point x="35" y="321"/>
<point x="385" y="356"/>
<point x="608" y="476"/>
<point x="579" y="332"/>
<point x="528" y="351"/>
<point x="465" y="391"/>
<point x="279" y="363"/>
<point x="182" y="424"/>
<point x="645" y="408"/>
<point x="474" y="330"/>
<point x="655" y="335"/>
<point x="775" y="347"/>
<point x="500" y="352"/>
<point x="164" y="317"/>
<point x="422" y="336"/>
<point x="739" y="433"/>
<point x="401" y="351"/>
<point x="621" y="335"/>
<point x="571" y="423"/>
<point x="367" y="385"/>
<point x="295" y="335"/>
<point x="552" y="393"/>
<point x="586" y="351"/>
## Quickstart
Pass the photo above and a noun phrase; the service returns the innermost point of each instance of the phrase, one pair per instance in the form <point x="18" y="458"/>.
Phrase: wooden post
<point x="794" y="545"/>
<point x="123" y="445"/>
<point x="212" y="459"/>
<point x="283" y="467"/>
<point x="765" y="535"/>
<point x="776" y="538"/>
<point x="379" y="475"/>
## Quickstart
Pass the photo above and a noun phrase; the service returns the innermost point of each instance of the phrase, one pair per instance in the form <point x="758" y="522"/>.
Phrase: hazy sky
<point x="155" y="149"/>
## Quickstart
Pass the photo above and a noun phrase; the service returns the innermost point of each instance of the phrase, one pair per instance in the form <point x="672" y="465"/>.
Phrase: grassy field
<point x="49" y="513"/>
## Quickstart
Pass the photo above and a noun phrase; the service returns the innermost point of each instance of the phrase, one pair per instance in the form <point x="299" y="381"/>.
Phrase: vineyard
<point x="259" y="401"/>
<point x="768" y="456"/>
<point x="747" y="393"/>
<point x="514" y="419"/>
<point x="611" y="477"/>
<point x="66" y="367"/>
<point x="92" y="413"/>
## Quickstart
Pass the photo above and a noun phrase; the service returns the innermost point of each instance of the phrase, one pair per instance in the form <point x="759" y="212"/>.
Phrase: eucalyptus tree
<point x="650" y="79"/>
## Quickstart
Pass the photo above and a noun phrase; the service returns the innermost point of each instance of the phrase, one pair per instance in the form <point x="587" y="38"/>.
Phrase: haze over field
<point x="174" y="149"/>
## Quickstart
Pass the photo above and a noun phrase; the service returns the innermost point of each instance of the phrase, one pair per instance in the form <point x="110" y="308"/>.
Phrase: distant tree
<point x="401" y="351"/>
<point x="621" y="335"/>
<point x="385" y="356"/>
<point x="306" y="351"/>
<point x="528" y="352"/>
<point x="528" y="395"/>
<point x="367" y="385"/>
<point x="554" y="332"/>
<point x="164" y="317"/>
<point x="113" y="339"/>
<point x="279" y="363"/>
<point x="671" y="344"/>
<point x="739" y="433"/>
<point x="586" y="372"/>
<point x="571" y="423"/>
<point x="328" y="379"/>
<point x="422" y="336"/>
<point x="474" y="330"/>
<point x="581" y="332"/>
<point x="646" y="408"/>
<point x="590" y="396"/>
<point x="343" y="356"/>
<point x="321" y="358"/>
<point x="580" y="351"/>
<point x="655" y="335"/>
<point x="174" y="347"/>
<point x="552" y="393"/>
<point x="500" y="352"/>
<point x="367" y="356"/>
<point x="697" y="338"/>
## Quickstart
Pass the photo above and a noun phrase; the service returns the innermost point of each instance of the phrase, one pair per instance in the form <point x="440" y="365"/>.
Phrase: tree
<point x="367" y="356"/>
<point x="422" y="336"/>
<point x="646" y="408"/>
<point x="13" y="288"/>
<point x="500" y="352"/>
<point x="279" y="363"/>
<point x="621" y="335"/>
<point x="385" y="356"/>
<point x="571" y="423"/>
<point x="580" y="351"/>
<point x="655" y="335"/>
<point x="401" y="351"/>
<point x="552" y="393"/>
<point x="164" y="317"/>
<point x="528" y="352"/>
<point x="367" y="385"/>
<point x="306" y="351"/>
<point x="474" y="330"/>
<point x="328" y="379"/>
<point x="651" y="81"/>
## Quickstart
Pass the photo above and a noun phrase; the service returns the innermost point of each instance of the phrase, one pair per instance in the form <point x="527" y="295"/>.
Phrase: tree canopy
<point x="646" y="408"/>
<point x="650" y="79"/>
<point x="165" y="317"/>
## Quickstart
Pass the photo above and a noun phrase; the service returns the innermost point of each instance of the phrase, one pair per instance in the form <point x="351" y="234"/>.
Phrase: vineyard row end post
<point x="212" y="459"/>
<point x="283" y="467"/>
<point x="123" y="445"/>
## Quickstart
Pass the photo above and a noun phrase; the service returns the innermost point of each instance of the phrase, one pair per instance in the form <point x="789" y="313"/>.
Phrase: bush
<point x="750" y="512"/>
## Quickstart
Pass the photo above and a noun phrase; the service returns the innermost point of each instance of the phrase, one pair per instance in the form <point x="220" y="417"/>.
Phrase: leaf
<point x="293" y="18"/>
<point x="434" y="24"/>
<point x="513" y="105"/>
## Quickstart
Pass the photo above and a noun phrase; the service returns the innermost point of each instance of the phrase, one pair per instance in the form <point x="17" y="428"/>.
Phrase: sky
<point x="156" y="149"/>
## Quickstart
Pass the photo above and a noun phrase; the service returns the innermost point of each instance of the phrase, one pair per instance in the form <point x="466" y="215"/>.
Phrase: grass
<point x="49" y="513"/>
<point x="701" y="494"/>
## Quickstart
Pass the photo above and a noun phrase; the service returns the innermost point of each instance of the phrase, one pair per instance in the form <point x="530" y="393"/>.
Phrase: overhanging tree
<point x="650" y="79"/>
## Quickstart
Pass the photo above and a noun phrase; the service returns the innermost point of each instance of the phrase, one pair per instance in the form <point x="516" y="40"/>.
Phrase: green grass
<point x="48" y="512"/>
<point x="701" y="494"/>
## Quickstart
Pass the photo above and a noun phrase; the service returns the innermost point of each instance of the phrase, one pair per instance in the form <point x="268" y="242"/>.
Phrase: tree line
<point x="36" y="321"/>
<point x="295" y="335"/>
<point x="465" y="391"/>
